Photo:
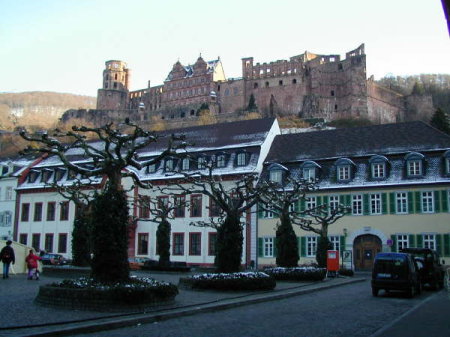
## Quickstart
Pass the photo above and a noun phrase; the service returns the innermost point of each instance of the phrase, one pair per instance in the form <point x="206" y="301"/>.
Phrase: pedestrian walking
<point x="32" y="265"/>
<point x="7" y="256"/>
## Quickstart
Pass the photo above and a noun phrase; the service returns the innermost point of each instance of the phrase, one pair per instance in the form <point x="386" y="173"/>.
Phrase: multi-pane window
<point x="344" y="172"/>
<point x="333" y="202"/>
<point x="401" y="202"/>
<point x="201" y="164"/>
<point x="276" y="176"/>
<point x="36" y="241"/>
<point x="144" y="207"/>
<point x="311" y="246"/>
<point x="163" y="202"/>
<point x="179" y="206"/>
<point x="169" y="165"/>
<point x="37" y="211"/>
<point x="25" y="214"/>
<point x="185" y="164"/>
<point x="268" y="247"/>
<point x="51" y="210"/>
<point x="151" y="168"/>
<point x="241" y="159"/>
<point x="429" y="241"/>
<point x="64" y="211"/>
<point x="268" y="213"/>
<point x="142" y="244"/>
<point x="427" y="202"/>
<point x="196" y="206"/>
<point x="48" y="244"/>
<point x="195" y="244"/>
<point x="357" y="204"/>
<point x="62" y="243"/>
<point x="414" y="168"/>
<point x="221" y="160"/>
<point x="212" y="240"/>
<point x="402" y="241"/>
<point x="378" y="170"/>
<point x="309" y="173"/>
<point x="335" y="241"/>
<point x="311" y="202"/>
<point x="23" y="238"/>
<point x="5" y="218"/>
<point x="178" y="244"/>
<point x="8" y="193"/>
<point x="375" y="203"/>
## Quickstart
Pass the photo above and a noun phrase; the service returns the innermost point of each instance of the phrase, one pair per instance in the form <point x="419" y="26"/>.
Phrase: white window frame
<point x="401" y="203"/>
<point x="309" y="173"/>
<point x="311" y="203"/>
<point x="427" y="201"/>
<point x="201" y="163"/>
<point x="357" y="204"/>
<point x="221" y="162"/>
<point x="241" y="159"/>
<point x="344" y="172"/>
<point x="335" y="241"/>
<point x="268" y="214"/>
<point x="429" y="241"/>
<point x="402" y="241"/>
<point x="8" y="193"/>
<point x="169" y="165"/>
<point x="447" y="165"/>
<point x="276" y="176"/>
<point x="414" y="167"/>
<point x="333" y="202"/>
<point x="185" y="164"/>
<point x="379" y="170"/>
<point x="375" y="204"/>
<point x="268" y="247"/>
<point x="311" y="246"/>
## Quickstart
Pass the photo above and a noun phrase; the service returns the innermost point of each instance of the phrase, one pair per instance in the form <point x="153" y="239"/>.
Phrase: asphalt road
<point x="344" y="311"/>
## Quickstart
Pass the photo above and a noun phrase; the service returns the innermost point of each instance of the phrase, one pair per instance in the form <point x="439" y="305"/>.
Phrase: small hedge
<point x="297" y="273"/>
<point x="85" y="293"/>
<point x="229" y="281"/>
<point x="346" y="272"/>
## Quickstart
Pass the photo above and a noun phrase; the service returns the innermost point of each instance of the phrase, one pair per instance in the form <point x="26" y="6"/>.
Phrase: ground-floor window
<point x="195" y="247"/>
<point x="311" y="246"/>
<point x="212" y="240"/>
<point x="429" y="241"/>
<point x="335" y="241"/>
<point x="48" y="245"/>
<point x="36" y="241"/>
<point x="142" y="244"/>
<point x="402" y="241"/>
<point x="268" y="245"/>
<point x="23" y="238"/>
<point x="62" y="243"/>
<point x="178" y="244"/>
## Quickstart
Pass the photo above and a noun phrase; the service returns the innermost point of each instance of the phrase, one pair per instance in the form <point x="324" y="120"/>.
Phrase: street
<point x="344" y="311"/>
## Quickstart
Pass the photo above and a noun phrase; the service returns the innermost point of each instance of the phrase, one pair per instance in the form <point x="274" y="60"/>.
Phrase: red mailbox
<point x="332" y="260"/>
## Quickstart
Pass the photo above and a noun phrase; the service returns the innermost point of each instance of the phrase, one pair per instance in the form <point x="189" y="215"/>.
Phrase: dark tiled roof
<point x="361" y="141"/>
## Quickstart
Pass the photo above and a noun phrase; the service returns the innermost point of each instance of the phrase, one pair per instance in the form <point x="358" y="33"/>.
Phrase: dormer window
<point x="185" y="164"/>
<point x="201" y="163"/>
<point x="169" y="165"/>
<point x="241" y="159"/>
<point x="221" y="160"/>
<point x="378" y="167"/>
<point x="344" y="167"/>
<point x="151" y="168"/>
<point x="310" y="170"/>
<point x="45" y="175"/>
<point x="71" y="175"/>
<point x="447" y="162"/>
<point x="59" y="173"/>
<point x="32" y="176"/>
<point x="276" y="176"/>
<point x="414" y="164"/>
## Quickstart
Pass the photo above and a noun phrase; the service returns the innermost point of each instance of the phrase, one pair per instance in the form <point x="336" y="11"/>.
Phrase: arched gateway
<point x="365" y="248"/>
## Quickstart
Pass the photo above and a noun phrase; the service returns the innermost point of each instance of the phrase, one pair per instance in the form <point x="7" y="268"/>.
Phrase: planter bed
<point x="84" y="294"/>
<point x="229" y="281"/>
<point x="297" y="273"/>
<point x="66" y="271"/>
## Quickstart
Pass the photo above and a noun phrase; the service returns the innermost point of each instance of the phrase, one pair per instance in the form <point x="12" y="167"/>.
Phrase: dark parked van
<point x="430" y="267"/>
<point x="397" y="272"/>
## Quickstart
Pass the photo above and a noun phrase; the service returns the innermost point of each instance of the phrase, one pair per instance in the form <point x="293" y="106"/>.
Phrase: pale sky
<point x="62" y="46"/>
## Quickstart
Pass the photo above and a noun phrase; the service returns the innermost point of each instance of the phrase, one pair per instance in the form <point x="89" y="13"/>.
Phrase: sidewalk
<point x="22" y="317"/>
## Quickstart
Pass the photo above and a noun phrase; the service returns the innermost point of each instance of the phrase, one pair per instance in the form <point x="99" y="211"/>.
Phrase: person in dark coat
<point x="7" y="256"/>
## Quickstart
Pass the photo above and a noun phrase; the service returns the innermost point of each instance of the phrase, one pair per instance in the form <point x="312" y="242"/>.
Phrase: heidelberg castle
<point x="306" y="85"/>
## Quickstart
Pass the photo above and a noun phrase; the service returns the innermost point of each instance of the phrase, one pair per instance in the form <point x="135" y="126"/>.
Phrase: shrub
<point x="297" y="273"/>
<point x="230" y="281"/>
<point x="346" y="272"/>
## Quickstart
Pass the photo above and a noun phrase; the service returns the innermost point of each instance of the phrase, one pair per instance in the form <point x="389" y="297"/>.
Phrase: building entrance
<point x="365" y="247"/>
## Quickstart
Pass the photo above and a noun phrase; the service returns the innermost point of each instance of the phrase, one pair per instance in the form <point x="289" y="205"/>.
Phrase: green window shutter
<point x="439" y="245"/>
<point x="342" y="243"/>
<point x="260" y="211"/>
<point x="302" y="205"/>
<point x="319" y="201"/>
<point x="348" y="200"/>
<point x="275" y="250"/>
<point x="437" y="201"/>
<point x="418" y="208"/>
<point x="297" y="206"/>
<point x="444" y="197"/>
<point x="260" y="247"/>
<point x="412" y="241"/>
<point x="410" y="203"/>
<point x="446" y="245"/>
<point x="325" y="199"/>
<point x="394" y="243"/>
<point x="383" y="203"/>
<point x="392" y="203"/>
<point x="302" y="246"/>
<point x="419" y="240"/>
<point x="366" y="204"/>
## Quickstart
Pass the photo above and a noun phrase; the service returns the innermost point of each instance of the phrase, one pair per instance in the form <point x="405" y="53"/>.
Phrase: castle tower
<point x="114" y="92"/>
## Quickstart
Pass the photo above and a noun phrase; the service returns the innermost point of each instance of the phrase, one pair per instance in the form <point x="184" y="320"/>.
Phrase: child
<point x="32" y="264"/>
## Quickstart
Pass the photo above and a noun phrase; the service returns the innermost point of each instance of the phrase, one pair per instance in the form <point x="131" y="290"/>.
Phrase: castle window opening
<point x="335" y="107"/>
<point x="172" y="116"/>
<point x="267" y="84"/>
<point x="106" y="85"/>
<point x="115" y="77"/>
<point x="332" y="93"/>
<point x="218" y="87"/>
<point x="107" y="77"/>
<point x="183" y="114"/>
<point x="192" y="112"/>
<point x="255" y="85"/>
<point x="115" y="85"/>
<point x="294" y="81"/>
<point x="280" y="82"/>
<point x="340" y="66"/>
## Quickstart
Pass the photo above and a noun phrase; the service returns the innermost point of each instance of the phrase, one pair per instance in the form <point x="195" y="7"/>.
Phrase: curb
<point x="116" y="323"/>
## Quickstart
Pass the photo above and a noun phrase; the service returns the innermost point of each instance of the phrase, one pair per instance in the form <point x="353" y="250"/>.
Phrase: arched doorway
<point x="365" y="247"/>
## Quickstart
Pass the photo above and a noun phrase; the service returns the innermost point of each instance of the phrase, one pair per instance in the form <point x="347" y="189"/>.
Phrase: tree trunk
<point x="323" y="245"/>
<point x="286" y="243"/>
<point x="82" y="238"/>
<point x="229" y="245"/>
<point x="163" y="239"/>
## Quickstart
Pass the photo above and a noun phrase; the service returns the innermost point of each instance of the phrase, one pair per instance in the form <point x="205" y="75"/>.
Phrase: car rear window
<point x="390" y="265"/>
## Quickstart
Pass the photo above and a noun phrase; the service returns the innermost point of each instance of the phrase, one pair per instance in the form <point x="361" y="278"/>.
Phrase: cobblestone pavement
<point x="18" y="308"/>
<point x="348" y="311"/>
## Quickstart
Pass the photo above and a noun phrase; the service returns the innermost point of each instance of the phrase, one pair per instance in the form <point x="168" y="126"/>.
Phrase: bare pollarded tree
<point x="110" y="151"/>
